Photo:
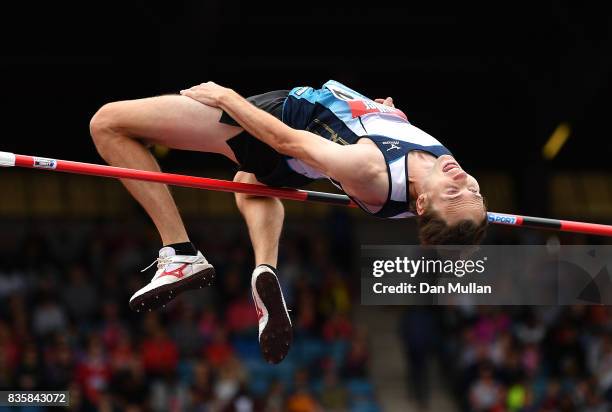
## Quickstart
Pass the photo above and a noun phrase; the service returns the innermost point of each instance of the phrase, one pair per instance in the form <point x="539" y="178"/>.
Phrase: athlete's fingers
<point x="387" y="102"/>
<point x="201" y="95"/>
<point x="200" y="86"/>
<point x="191" y="93"/>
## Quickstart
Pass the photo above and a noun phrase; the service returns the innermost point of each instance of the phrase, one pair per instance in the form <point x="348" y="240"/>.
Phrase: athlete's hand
<point x="208" y="93"/>
<point x="387" y="102"/>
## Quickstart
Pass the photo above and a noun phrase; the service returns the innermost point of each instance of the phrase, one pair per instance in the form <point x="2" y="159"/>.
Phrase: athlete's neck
<point x="419" y="165"/>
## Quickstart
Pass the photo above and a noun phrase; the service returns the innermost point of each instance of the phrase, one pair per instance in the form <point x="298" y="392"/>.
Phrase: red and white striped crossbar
<point x="42" y="163"/>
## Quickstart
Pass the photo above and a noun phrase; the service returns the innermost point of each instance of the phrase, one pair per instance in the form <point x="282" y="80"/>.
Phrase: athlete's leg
<point x="120" y="131"/>
<point x="264" y="217"/>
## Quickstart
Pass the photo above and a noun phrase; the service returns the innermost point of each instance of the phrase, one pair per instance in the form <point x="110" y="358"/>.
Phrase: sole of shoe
<point x="162" y="295"/>
<point x="277" y="336"/>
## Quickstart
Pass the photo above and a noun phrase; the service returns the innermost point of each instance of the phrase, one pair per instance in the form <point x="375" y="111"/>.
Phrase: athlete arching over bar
<point x="285" y="138"/>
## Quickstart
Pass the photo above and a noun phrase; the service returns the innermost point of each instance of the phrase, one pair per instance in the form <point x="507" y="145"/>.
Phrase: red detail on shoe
<point x="259" y="313"/>
<point x="178" y="272"/>
<point x="257" y="309"/>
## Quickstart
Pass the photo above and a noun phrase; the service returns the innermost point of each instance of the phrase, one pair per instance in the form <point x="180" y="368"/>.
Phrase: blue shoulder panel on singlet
<point x="322" y="113"/>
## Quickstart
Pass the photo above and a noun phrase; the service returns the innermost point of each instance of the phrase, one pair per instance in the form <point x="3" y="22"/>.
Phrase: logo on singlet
<point x="301" y="91"/>
<point x="333" y="136"/>
<point x="393" y="144"/>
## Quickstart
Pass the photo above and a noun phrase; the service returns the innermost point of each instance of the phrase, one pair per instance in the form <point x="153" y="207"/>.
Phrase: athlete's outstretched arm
<point x="342" y="163"/>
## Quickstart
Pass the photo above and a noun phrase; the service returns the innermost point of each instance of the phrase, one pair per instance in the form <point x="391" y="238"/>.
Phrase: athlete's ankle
<point x="272" y="267"/>
<point x="183" y="248"/>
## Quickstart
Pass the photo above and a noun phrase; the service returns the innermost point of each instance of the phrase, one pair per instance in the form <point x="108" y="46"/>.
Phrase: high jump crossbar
<point x="15" y="160"/>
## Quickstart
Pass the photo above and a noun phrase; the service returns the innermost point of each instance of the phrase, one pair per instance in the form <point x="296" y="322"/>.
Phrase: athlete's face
<point x="450" y="191"/>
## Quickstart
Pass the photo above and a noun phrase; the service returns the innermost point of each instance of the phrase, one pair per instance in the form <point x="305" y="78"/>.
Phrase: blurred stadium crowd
<point x="65" y="323"/>
<point x="536" y="359"/>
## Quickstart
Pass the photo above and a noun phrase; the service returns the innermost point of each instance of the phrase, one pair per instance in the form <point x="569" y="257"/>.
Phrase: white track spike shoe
<point x="275" y="331"/>
<point x="175" y="274"/>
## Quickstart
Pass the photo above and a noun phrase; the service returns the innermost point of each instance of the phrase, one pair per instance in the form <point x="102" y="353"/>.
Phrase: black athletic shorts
<point x="254" y="156"/>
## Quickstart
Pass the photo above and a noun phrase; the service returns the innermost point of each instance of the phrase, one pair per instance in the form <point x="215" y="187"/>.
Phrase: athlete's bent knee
<point x="104" y="127"/>
<point x="103" y="120"/>
<point x="244" y="177"/>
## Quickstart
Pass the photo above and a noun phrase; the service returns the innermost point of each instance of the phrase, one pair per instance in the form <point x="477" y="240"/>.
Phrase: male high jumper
<point x="367" y="148"/>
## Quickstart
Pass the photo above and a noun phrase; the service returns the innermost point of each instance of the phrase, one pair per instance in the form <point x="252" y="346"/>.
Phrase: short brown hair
<point x="433" y="230"/>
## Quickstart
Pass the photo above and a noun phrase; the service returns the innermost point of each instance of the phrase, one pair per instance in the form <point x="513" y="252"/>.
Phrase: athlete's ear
<point x="421" y="204"/>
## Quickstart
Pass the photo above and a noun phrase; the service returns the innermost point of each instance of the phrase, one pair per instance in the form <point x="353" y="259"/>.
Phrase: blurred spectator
<point x="335" y="294"/>
<point x="9" y="348"/>
<point x="532" y="331"/>
<point x="417" y="329"/>
<point x="201" y="393"/>
<point x="334" y="397"/>
<point x="241" y="317"/>
<point x="78" y="402"/>
<point x="128" y="386"/>
<point x="517" y="398"/>
<point x="79" y="295"/>
<point x="159" y="353"/>
<point x="6" y="371"/>
<point x="28" y="376"/>
<point x="594" y="402"/>
<point x="489" y="324"/>
<point x="11" y="283"/>
<point x="122" y="353"/>
<point x="485" y="393"/>
<point x="357" y="357"/>
<point x="219" y="351"/>
<point x="337" y="327"/>
<point x="231" y="379"/>
<point x="93" y="371"/>
<point x="274" y="401"/>
<point x="302" y="400"/>
<point x="242" y="402"/>
<point x="60" y="364"/>
<point x="185" y="332"/>
<point x="48" y="317"/>
<point x="207" y="324"/>
<point x="112" y="327"/>
<point x="552" y="400"/>
<point x="306" y="322"/>
<point x="531" y="359"/>
<point x="603" y="371"/>
<point x="511" y="369"/>
<point x="168" y="394"/>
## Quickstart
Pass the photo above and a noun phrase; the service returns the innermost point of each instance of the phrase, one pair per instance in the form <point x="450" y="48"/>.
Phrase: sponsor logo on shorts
<point x="44" y="163"/>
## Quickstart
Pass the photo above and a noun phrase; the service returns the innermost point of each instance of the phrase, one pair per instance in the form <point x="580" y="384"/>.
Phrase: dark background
<point x="497" y="79"/>
<point x="491" y="83"/>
